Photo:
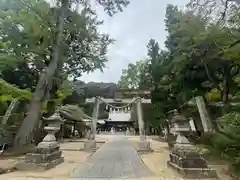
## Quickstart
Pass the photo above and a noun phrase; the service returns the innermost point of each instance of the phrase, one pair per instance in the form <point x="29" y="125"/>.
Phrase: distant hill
<point x="88" y="90"/>
<point x="93" y="89"/>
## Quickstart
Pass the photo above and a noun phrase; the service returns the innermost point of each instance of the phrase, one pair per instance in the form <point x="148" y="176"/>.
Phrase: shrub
<point x="205" y="139"/>
<point x="226" y="141"/>
<point x="226" y="146"/>
<point x="230" y="124"/>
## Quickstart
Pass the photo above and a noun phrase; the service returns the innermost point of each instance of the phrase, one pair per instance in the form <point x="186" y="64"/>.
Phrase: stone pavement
<point x="116" y="159"/>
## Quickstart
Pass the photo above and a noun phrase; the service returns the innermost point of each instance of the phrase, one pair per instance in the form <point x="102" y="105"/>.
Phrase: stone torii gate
<point x="136" y="97"/>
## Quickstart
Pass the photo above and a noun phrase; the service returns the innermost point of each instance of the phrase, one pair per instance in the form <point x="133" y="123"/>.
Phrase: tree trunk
<point x="11" y="108"/>
<point x="24" y="135"/>
<point x="225" y="92"/>
<point x="28" y="126"/>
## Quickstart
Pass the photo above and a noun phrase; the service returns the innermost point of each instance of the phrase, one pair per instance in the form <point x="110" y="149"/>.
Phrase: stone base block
<point x="144" y="146"/>
<point x="195" y="173"/>
<point x="23" y="165"/>
<point x="90" y="145"/>
<point x="188" y="161"/>
<point x="42" y="158"/>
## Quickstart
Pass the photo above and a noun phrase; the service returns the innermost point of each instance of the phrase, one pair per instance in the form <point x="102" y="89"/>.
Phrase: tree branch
<point x="225" y="10"/>
<point x="208" y="72"/>
<point x="235" y="43"/>
<point x="210" y="77"/>
<point x="39" y="16"/>
<point x="237" y="70"/>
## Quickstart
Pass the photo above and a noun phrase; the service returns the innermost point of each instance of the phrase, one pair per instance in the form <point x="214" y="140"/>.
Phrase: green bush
<point x="230" y="124"/>
<point x="228" y="147"/>
<point x="205" y="139"/>
<point x="226" y="142"/>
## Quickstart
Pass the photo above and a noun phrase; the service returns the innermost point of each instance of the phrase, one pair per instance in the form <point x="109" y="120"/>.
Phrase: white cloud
<point x="132" y="29"/>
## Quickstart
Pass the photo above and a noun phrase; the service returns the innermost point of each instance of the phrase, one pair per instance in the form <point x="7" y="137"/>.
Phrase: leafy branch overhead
<point x="47" y="43"/>
<point x="84" y="47"/>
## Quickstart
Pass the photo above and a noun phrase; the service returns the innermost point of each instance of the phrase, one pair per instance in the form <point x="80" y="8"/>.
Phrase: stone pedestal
<point x="130" y="133"/>
<point x="144" y="146"/>
<point x="90" y="145"/>
<point x="171" y="139"/>
<point x="47" y="155"/>
<point x="187" y="161"/>
<point x="127" y="132"/>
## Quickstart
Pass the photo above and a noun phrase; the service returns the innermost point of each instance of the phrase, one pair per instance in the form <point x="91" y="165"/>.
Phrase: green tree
<point x="58" y="58"/>
<point x="131" y="76"/>
<point x="201" y="54"/>
<point x="199" y="58"/>
<point x="84" y="48"/>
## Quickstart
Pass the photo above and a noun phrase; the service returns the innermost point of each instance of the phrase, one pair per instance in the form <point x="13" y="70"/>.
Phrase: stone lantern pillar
<point x="91" y="144"/>
<point x="143" y="144"/>
<point x="184" y="156"/>
<point x="47" y="154"/>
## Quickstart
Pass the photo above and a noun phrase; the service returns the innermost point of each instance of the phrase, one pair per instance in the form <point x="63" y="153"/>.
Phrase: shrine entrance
<point x="119" y="117"/>
<point x="124" y="102"/>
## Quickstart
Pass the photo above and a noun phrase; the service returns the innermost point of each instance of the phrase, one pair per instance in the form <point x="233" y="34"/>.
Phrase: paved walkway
<point x="114" y="160"/>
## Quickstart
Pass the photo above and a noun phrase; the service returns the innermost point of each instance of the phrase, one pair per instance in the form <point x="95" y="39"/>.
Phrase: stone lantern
<point x="53" y="125"/>
<point x="184" y="156"/>
<point x="47" y="154"/>
<point x="180" y="123"/>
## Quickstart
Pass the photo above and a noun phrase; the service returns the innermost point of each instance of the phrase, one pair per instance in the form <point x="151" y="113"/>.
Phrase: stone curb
<point x="7" y="170"/>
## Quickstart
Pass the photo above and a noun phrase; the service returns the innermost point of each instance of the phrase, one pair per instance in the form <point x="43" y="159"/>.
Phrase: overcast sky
<point x="132" y="29"/>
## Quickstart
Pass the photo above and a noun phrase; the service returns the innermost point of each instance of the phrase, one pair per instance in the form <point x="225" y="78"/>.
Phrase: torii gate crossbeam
<point x="143" y="145"/>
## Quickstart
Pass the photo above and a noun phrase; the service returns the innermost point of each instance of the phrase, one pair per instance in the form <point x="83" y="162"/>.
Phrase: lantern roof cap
<point x="55" y="116"/>
<point x="177" y="117"/>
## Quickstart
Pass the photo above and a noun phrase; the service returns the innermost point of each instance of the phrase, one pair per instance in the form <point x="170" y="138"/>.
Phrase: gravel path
<point x="116" y="159"/>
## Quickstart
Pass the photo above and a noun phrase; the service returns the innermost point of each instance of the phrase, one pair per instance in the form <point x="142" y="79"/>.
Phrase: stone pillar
<point x="206" y="122"/>
<point x="95" y="117"/>
<point x="90" y="144"/>
<point x="140" y="120"/>
<point x="143" y="145"/>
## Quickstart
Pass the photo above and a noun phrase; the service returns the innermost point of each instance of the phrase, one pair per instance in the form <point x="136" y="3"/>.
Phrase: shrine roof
<point x="137" y="91"/>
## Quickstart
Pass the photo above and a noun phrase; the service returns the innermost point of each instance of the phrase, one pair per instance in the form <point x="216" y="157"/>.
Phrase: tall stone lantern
<point x="47" y="154"/>
<point x="185" y="157"/>
<point x="53" y="125"/>
<point x="180" y="124"/>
